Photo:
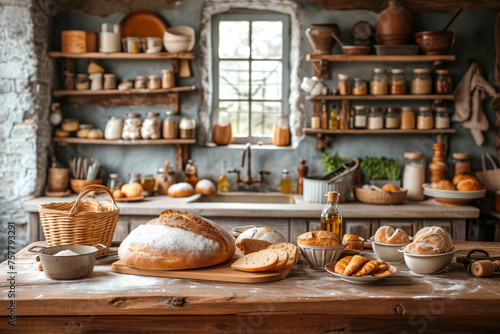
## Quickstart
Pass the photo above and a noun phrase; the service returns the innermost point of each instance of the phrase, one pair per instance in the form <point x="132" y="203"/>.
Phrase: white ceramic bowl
<point x="388" y="252"/>
<point x="318" y="256"/>
<point x="179" y="39"/>
<point x="428" y="264"/>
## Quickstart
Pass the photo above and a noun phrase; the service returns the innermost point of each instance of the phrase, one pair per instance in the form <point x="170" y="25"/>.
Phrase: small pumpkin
<point x="132" y="189"/>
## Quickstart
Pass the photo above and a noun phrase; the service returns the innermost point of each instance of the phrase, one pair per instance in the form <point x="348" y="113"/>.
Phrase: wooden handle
<point x="483" y="268"/>
<point x="88" y="189"/>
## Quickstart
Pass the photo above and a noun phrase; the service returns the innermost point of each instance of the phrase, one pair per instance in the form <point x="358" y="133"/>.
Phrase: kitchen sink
<point x="262" y="198"/>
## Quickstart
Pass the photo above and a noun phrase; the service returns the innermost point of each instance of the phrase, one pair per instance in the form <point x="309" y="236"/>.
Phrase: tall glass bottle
<point x="331" y="217"/>
<point x="286" y="182"/>
<point x="222" y="181"/>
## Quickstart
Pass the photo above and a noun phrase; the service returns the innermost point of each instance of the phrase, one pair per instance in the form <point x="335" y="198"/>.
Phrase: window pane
<point x="263" y="116"/>
<point x="233" y="79"/>
<point x="267" y="39"/>
<point x="266" y="80"/>
<point x="233" y="39"/>
<point x="238" y="111"/>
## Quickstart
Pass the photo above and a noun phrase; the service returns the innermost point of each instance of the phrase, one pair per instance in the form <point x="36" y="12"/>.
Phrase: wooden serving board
<point x="222" y="272"/>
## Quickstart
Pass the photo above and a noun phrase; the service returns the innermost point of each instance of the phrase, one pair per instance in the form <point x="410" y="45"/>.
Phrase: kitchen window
<point x="250" y="59"/>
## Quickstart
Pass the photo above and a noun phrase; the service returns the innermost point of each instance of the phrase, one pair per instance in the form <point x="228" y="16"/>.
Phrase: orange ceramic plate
<point x="142" y="23"/>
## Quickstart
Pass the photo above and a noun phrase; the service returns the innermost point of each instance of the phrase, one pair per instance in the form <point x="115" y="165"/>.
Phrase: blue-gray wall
<point x="475" y="40"/>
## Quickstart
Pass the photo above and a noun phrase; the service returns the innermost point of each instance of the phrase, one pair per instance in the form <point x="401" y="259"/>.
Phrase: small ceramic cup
<point x="154" y="45"/>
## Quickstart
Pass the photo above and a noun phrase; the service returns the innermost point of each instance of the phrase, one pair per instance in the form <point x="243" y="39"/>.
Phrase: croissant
<point x="356" y="262"/>
<point x="390" y="270"/>
<point x="366" y="269"/>
<point x="342" y="264"/>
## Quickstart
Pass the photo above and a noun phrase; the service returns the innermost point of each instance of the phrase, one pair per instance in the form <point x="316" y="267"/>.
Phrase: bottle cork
<point x="333" y="196"/>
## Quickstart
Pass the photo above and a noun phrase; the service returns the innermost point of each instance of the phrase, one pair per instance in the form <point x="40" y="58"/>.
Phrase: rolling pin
<point x="485" y="268"/>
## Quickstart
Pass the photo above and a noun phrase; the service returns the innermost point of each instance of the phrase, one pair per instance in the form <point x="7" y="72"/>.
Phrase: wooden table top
<point x="304" y="291"/>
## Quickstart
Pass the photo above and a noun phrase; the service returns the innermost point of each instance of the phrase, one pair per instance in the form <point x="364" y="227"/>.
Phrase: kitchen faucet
<point x="248" y="180"/>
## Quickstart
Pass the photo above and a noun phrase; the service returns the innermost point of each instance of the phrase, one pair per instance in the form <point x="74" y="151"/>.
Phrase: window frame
<point x="250" y="16"/>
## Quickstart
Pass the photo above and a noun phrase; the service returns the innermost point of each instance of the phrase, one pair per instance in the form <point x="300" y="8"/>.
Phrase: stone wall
<point x="25" y="80"/>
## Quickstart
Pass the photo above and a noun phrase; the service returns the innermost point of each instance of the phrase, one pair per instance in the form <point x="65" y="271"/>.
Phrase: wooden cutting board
<point x="221" y="272"/>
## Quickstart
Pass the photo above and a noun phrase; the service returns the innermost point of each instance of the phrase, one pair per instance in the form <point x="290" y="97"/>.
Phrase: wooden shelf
<point x="380" y="97"/>
<point x="377" y="58"/>
<point x="122" y="92"/>
<point x="73" y="140"/>
<point x="122" y="55"/>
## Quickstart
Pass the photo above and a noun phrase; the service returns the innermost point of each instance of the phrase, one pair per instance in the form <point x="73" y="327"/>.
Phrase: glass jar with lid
<point x="379" y="84"/>
<point x="170" y="126"/>
<point x="397" y="84"/>
<point x="414" y="175"/>
<point x="344" y="84"/>
<point x="82" y="81"/>
<point x="407" y="118"/>
<point x="191" y="173"/>
<point x="441" y="119"/>
<point x="281" y="131"/>
<point x="114" y="128"/>
<point x="392" y="118"/>
<point x="460" y="163"/>
<point x="359" y="87"/>
<point x="132" y="127"/>
<point x="114" y="182"/>
<point x="360" y="117"/>
<point x="375" y="118"/>
<point x="187" y="128"/>
<point x="147" y="182"/>
<point x="151" y="126"/>
<point x="286" y="182"/>
<point x="421" y="82"/>
<point x="154" y="82"/>
<point x="222" y="129"/>
<point x="167" y="78"/>
<point x="109" y="81"/>
<point x="140" y="82"/>
<point x="134" y="178"/>
<point x="424" y="119"/>
<point x="442" y="84"/>
<point x="164" y="179"/>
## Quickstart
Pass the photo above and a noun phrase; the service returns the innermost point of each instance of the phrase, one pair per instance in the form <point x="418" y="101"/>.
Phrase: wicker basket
<point x="80" y="222"/>
<point x="375" y="195"/>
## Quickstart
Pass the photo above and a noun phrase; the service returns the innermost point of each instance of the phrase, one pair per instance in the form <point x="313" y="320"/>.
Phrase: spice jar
<point x="147" y="182"/>
<point x="379" y="83"/>
<point x="187" y="127"/>
<point x="164" y="180"/>
<point x="132" y="127"/>
<point x="414" y="175"/>
<point x="154" y="82"/>
<point x="167" y="78"/>
<point x="460" y="163"/>
<point x="424" y="118"/>
<point x="114" y="182"/>
<point x="397" y="85"/>
<point x="95" y="81"/>
<point x="281" y="131"/>
<point x="359" y="87"/>
<point x="315" y="122"/>
<point x="442" y="84"/>
<point x="344" y="84"/>
<point x="170" y="126"/>
<point x="84" y="130"/>
<point x="151" y="127"/>
<point x="191" y="173"/>
<point x="392" y="118"/>
<point x="140" y="82"/>
<point x="421" y="82"/>
<point x="441" y="120"/>
<point x="375" y="118"/>
<point x="109" y="81"/>
<point x="360" y="117"/>
<point x="134" y="177"/>
<point x="407" y="118"/>
<point x="133" y="44"/>
<point x="113" y="129"/>
<point x="82" y="81"/>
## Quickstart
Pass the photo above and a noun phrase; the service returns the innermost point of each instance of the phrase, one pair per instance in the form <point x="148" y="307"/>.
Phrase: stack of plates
<point x="453" y="197"/>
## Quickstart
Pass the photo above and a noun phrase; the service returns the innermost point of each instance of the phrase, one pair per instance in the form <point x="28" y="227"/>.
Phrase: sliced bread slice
<point x="263" y="260"/>
<point x="282" y="259"/>
<point x="252" y="245"/>
<point x="291" y="249"/>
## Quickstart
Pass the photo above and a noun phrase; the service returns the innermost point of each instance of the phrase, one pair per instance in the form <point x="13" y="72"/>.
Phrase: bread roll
<point x="354" y="241"/>
<point x="387" y="235"/>
<point x="176" y="240"/>
<point x="319" y="238"/>
<point x="443" y="185"/>
<point x="468" y="182"/>
<point x="463" y="176"/>
<point x="257" y="238"/>
<point x="430" y="240"/>
<point x="390" y="187"/>
<point x="182" y="189"/>
<point x="205" y="187"/>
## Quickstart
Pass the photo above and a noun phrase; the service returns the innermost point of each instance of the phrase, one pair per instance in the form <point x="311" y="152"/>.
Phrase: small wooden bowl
<point x="375" y="195"/>
<point x="78" y="185"/>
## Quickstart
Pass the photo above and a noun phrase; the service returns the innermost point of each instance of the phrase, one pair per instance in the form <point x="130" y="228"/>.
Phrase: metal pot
<point x="67" y="267"/>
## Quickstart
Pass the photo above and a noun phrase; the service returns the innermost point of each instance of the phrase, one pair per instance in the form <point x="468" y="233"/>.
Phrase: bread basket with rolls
<point x="375" y="195"/>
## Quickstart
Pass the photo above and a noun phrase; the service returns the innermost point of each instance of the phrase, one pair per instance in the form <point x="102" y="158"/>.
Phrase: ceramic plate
<point x="330" y="267"/>
<point x="452" y="194"/>
<point x="129" y="199"/>
<point x="142" y="23"/>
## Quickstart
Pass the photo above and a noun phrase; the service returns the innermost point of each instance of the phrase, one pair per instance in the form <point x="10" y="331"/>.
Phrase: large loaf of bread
<point x="258" y="238"/>
<point x="176" y="240"/>
<point x="430" y="240"/>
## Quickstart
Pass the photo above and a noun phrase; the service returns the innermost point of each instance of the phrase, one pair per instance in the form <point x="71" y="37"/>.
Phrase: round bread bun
<point x="118" y="194"/>
<point x="354" y="241"/>
<point x="182" y="189"/>
<point x="387" y="235"/>
<point x="390" y="187"/>
<point x="444" y="185"/>
<point x="319" y="238"/>
<point x="205" y="187"/>
<point x="430" y="240"/>
<point x="463" y="176"/>
<point x="469" y="185"/>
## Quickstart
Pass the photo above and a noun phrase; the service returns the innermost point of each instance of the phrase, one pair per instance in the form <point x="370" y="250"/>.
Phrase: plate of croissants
<point x="461" y="190"/>
<point x="360" y="269"/>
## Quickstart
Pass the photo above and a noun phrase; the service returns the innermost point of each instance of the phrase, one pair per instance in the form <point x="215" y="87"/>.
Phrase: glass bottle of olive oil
<point x="331" y="217"/>
<point x="222" y="181"/>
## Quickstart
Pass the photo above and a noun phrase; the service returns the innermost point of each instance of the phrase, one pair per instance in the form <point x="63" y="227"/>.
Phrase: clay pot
<point x="58" y="179"/>
<point x="435" y="42"/>
<point x="320" y="37"/>
<point x="394" y="25"/>
<point x="222" y="133"/>
<point x="78" y="185"/>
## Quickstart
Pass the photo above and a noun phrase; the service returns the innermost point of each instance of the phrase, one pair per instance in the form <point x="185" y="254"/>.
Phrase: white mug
<point x="154" y="45"/>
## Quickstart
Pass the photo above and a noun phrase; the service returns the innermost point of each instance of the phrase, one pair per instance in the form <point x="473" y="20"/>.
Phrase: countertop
<point x="153" y="206"/>
<point x="307" y="301"/>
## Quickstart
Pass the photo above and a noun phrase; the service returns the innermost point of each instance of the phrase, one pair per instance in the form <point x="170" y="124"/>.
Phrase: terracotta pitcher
<point x="320" y="37"/>
<point x="394" y="25"/>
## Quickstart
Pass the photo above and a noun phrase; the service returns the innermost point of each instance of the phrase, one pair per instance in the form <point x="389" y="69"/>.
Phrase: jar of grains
<point x="360" y="117"/>
<point x="414" y="175"/>
<point x="154" y="82"/>
<point x="397" y="85"/>
<point x="375" y="118"/>
<point x="132" y="127"/>
<point x="392" y="118"/>
<point x="442" y="84"/>
<point x="140" y="82"/>
<point x="109" y="81"/>
<point x="460" y="163"/>
<point x="344" y="84"/>
<point x="407" y="118"/>
<point x="170" y="126"/>
<point x="379" y="85"/>
<point x="359" y="87"/>
<point x="113" y="129"/>
<point x="441" y="120"/>
<point x="421" y="82"/>
<point x="151" y="126"/>
<point x="167" y="78"/>
<point x="424" y="118"/>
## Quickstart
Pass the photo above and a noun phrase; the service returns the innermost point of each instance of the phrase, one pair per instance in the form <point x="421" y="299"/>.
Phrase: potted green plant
<point x="382" y="171"/>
